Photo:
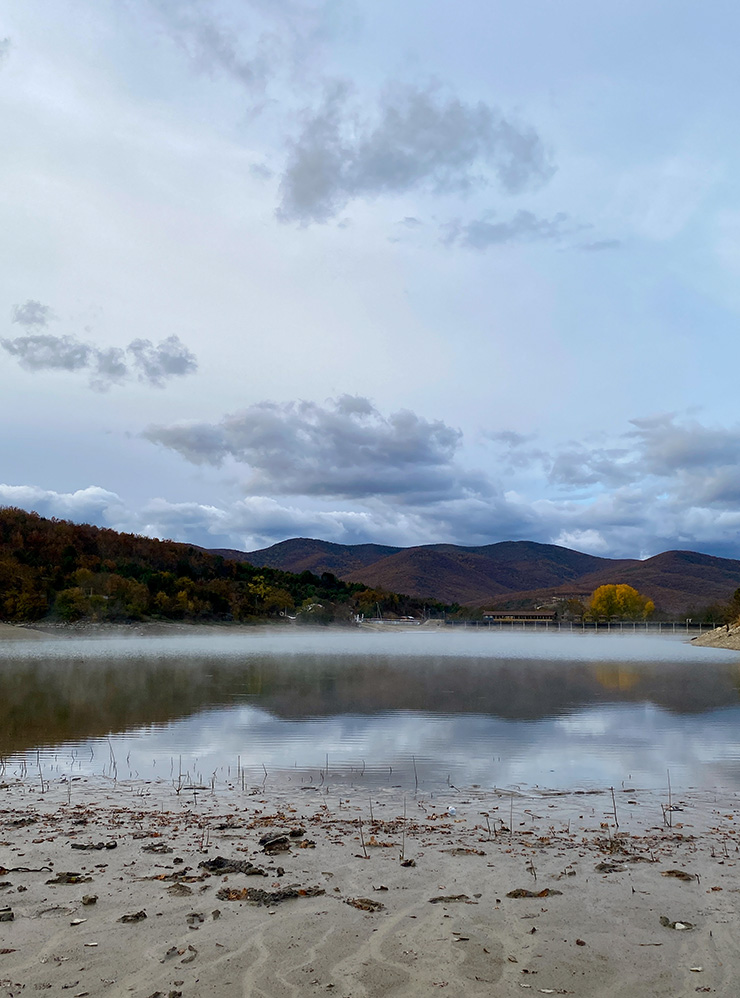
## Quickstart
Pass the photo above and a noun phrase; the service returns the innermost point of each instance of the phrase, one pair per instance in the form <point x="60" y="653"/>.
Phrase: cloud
<point x="509" y="437"/>
<point x="416" y="139"/>
<point x="664" y="483"/>
<point x="513" y="452"/>
<point x="255" y="43"/>
<point x="344" y="472"/>
<point x="4" y="49"/>
<point x="660" y="484"/>
<point x="666" y="446"/>
<point x="258" y="521"/>
<point x="156" y="362"/>
<point x="212" y="46"/>
<point x="577" y="465"/>
<point x="43" y="351"/>
<point x="345" y="448"/>
<point x="523" y="227"/>
<point x="600" y="245"/>
<point x="696" y="462"/>
<point x="589" y="541"/>
<point x="32" y="314"/>
<point x="89" y="505"/>
<point x="635" y="520"/>
<point x="261" y="171"/>
<point x="150" y="363"/>
<point x="348" y="146"/>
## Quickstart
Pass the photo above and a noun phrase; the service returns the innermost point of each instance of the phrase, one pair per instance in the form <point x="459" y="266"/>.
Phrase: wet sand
<point x="332" y="909"/>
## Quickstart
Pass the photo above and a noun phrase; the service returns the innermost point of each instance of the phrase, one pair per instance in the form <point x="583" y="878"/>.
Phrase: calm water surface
<point x="489" y="708"/>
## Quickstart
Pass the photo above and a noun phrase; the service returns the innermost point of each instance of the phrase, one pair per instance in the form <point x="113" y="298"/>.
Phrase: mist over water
<point x="407" y="709"/>
<point x="452" y="643"/>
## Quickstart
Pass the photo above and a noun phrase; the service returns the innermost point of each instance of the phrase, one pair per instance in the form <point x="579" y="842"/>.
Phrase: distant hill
<point x="677" y="580"/>
<point x="306" y="555"/>
<point x="475" y="575"/>
<point x="509" y="573"/>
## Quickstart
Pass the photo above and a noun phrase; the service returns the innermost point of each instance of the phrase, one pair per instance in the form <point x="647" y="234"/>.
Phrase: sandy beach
<point x="103" y="891"/>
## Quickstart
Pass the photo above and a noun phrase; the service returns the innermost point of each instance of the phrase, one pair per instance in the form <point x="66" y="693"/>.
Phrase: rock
<point x="678" y="926"/>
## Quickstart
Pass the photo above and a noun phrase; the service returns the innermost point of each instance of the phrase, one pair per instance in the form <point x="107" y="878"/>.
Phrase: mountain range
<point x="509" y="574"/>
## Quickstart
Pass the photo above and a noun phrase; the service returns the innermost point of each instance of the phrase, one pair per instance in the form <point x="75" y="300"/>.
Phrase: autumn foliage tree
<point x="620" y="601"/>
<point x="70" y="572"/>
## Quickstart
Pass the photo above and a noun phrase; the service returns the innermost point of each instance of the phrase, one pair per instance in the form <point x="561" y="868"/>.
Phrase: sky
<point x="368" y="271"/>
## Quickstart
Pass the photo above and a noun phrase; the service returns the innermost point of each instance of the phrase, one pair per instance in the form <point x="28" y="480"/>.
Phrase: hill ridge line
<point x="504" y="572"/>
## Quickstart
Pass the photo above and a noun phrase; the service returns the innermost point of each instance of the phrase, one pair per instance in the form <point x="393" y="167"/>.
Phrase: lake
<point x="412" y="709"/>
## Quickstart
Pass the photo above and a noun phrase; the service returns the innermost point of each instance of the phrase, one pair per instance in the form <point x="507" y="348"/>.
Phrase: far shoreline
<point x="727" y="636"/>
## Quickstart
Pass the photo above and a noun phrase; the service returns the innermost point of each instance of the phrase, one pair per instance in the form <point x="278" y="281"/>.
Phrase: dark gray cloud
<point x="32" y="314"/>
<point x="416" y="139"/>
<point x="523" y="227"/>
<point x="151" y="363"/>
<point x="345" y="449"/>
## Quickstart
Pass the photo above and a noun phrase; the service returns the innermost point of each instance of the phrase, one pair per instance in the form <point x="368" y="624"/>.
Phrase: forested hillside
<point x="67" y="571"/>
<point x="514" y="574"/>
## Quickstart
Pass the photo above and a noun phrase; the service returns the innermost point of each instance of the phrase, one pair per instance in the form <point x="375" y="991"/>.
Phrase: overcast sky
<point x="401" y="272"/>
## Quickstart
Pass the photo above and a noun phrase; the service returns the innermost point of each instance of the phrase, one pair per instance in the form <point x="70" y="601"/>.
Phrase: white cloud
<point x="89" y="505"/>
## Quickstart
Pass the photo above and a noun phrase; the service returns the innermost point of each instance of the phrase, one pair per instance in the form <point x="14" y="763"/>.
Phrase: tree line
<point x="58" y="570"/>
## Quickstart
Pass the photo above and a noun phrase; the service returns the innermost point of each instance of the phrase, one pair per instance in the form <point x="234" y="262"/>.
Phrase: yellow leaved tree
<point x="620" y="601"/>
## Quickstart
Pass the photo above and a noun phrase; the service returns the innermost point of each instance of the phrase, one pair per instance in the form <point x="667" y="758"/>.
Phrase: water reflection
<point x="488" y="709"/>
